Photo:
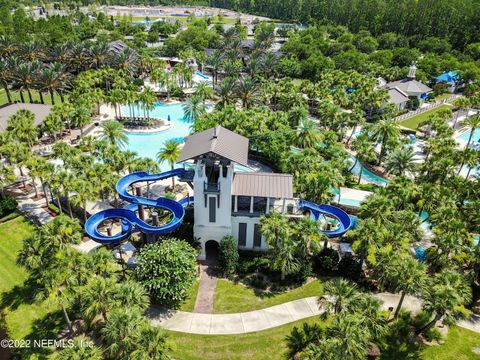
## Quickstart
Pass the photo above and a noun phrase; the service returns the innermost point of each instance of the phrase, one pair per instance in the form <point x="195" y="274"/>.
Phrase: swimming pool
<point x="466" y="135"/>
<point x="367" y="175"/>
<point x="148" y="145"/>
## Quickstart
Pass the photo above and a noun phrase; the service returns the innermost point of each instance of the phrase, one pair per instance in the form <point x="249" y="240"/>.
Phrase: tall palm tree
<point x="401" y="161"/>
<point x="6" y="77"/>
<point x="121" y="332"/>
<point x="383" y="132"/>
<point x="226" y="91"/>
<point x="202" y="89"/>
<point x="364" y="153"/>
<point x="26" y="77"/>
<point x="215" y="61"/>
<point x="53" y="124"/>
<point x="22" y="126"/>
<point x="132" y="295"/>
<point x="81" y="117"/>
<point x="152" y="344"/>
<point x="341" y="296"/>
<point x="463" y="104"/>
<point x="194" y="108"/>
<point x="448" y="292"/>
<point x="6" y="177"/>
<point x="401" y="273"/>
<point x="169" y="153"/>
<point x="84" y="192"/>
<point x="147" y="100"/>
<point x="127" y="60"/>
<point x="114" y="133"/>
<point x="307" y="135"/>
<point x="98" y="298"/>
<point x="472" y="122"/>
<point x="247" y="89"/>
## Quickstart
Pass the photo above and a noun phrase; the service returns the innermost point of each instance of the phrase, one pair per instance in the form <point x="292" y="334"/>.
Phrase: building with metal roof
<point x="410" y="86"/>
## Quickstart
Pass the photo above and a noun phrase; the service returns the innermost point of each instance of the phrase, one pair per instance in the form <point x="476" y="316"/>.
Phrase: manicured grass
<point x="36" y="98"/>
<point x="458" y="346"/>
<point x="263" y="345"/>
<point x="23" y="317"/>
<point x="412" y="123"/>
<point x="232" y="298"/>
<point x="189" y="303"/>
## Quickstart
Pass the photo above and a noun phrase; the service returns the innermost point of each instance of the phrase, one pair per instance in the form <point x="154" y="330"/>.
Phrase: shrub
<point x="228" y="256"/>
<point x="167" y="270"/>
<point x="54" y="208"/>
<point x="433" y="334"/>
<point x="252" y="262"/>
<point x="326" y="260"/>
<point x="350" y="268"/>
<point x="7" y="206"/>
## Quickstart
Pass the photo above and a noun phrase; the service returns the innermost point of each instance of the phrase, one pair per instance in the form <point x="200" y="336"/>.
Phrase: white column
<point x="251" y="204"/>
<point x="236" y="203"/>
<point x="267" y="210"/>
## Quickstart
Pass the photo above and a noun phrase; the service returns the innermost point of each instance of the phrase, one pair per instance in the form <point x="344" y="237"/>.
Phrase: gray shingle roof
<point x="263" y="185"/>
<point x="39" y="110"/>
<point x="409" y="86"/>
<point x="397" y="96"/>
<point x="219" y="141"/>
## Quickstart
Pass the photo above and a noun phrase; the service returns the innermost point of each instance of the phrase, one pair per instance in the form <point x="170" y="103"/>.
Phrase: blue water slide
<point x="127" y="215"/>
<point x="344" y="220"/>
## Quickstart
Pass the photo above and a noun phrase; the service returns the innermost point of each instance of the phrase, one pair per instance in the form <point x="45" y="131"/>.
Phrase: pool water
<point x="367" y="175"/>
<point x="148" y="145"/>
<point x="466" y="135"/>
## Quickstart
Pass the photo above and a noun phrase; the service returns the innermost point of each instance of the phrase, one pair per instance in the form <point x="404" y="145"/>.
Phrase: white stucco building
<point x="229" y="202"/>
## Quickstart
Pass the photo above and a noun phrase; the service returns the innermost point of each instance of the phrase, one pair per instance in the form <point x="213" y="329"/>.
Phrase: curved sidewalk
<point x="238" y="323"/>
<point x="258" y="320"/>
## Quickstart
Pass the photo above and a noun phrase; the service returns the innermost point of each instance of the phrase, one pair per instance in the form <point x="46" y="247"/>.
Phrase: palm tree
<point x="81" y="117"/>
<point x="364" y="152"/>
<point x="202" y="90"/>
<point x="132" y="295"/>
<point x="473" y="122"/>
<point x="308" y="235"/>
<point x="152" y="344"/>
<point x="6" y="177"/>
<point x="147" y="100"/>
<point x="84" y="192"/>
<point x="448" y="292"/>
<point x="22" y="126"/>
<point x="169" y="153"/>
<point x="98" y="298"/>
<point x="401" y="161"/>
<point x="215" y="62"/>
<point x="6" y="77"/>
<point x="463" y="104"/>
<point x="247" y="89"/>
<point x="127" y="61"/>
<point x="307" y="135"/>
<point x="401" y="273"/>
<point x="226" y="91"/>
<point x="54" y="79"/>
<point x="384" y="132"/>
<point x="114" y="133"/>
<point x="80" y="350"/>
<point x="121" y="332"/>
<point x="53" y="124"/>
<point x="194" y="108"/>
<point x="99" y="52"/>
<point x="341" y="296"/>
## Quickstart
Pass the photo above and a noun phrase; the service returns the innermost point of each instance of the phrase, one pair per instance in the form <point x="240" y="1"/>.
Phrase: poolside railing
<point x="425" y="108"/>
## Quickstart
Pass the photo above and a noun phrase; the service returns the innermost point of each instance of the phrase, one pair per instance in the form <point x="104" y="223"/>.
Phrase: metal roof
<point x="39" y="110"/>
<point x="219" y="141"/>
<point x="263" y="185"/>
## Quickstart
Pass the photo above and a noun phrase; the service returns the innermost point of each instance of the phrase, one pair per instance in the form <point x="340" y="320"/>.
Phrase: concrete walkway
<point x="206" y="290"/>
<point x="242" y="323"/>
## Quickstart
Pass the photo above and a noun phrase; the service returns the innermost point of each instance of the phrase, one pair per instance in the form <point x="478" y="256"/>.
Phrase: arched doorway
<point x="211" y="251"/>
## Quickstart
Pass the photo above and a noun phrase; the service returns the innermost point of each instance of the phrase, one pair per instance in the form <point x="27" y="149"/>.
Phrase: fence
<point x="425" y="108"/>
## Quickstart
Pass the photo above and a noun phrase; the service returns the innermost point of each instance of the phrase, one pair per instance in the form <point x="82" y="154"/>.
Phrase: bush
<point x="7" y="206"/>
<point x="327" y="260"/>
<point x="252" y="262"/>
<point x="350" y="268"/>
<point x="433" y="334"/>
<point x="167" y="270"/>
<point x="54" y="208"/>
<point x="228" y="256"/>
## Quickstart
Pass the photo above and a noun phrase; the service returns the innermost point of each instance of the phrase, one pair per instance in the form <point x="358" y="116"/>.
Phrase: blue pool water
<point x="148" y="145"/>
<point x="466" y="135"/>
<point x="203" y="76"/>
<point x="367" y="175"/>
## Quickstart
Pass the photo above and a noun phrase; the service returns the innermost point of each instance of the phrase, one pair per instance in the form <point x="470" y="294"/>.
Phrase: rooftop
<point x="409" y="86"/>
<point x="39" y="110"/>
<point x="263" y="185"/>
<point x="218" y="141"/>
<point x="397" y="96"/>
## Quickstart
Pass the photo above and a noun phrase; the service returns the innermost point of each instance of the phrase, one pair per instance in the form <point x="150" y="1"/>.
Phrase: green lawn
<point x="189" y="303"/>
<point x="412" y="123"/>
<point x="23" y="318"/>
<point x="263" y="345"/>
<point x="36" y="98"/>
<point x="458" y="346"/>
<point x="232" y="298"/>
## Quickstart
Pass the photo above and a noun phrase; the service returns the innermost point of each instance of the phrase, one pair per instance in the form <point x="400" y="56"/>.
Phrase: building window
<point x="212" y="209"/>
<point x="259" y="204"/>
<point x="243" y="204"/>
<point x="257" y="236"/>
<point x="242" y="234"/>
